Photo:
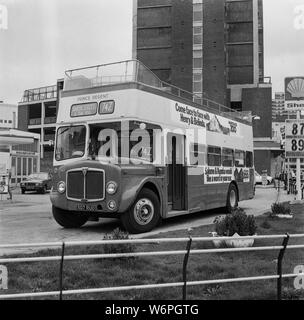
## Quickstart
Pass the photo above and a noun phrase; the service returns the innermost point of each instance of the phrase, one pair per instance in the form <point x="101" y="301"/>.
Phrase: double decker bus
<point x="131" y="147"/>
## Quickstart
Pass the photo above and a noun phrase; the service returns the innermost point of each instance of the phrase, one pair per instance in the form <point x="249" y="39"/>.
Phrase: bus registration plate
<point x="86" y="207"/>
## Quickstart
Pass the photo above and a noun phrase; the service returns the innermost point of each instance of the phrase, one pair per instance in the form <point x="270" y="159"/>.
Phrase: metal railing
<point x="279" y="276"/>
<point x="136" y="71"/>
<point x="39" y="94"/>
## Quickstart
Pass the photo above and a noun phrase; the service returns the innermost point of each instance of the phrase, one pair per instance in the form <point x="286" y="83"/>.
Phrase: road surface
<point x="29" y="220"/>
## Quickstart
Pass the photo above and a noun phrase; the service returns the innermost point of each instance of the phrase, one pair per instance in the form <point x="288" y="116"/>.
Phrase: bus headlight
<point x="111" y="188"/>
<point x="61" y="187"/>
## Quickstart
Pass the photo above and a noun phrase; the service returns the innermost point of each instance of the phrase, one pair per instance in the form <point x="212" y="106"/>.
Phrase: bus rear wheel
<point x="69" y="220"/>
<point x="232" y="198"/>
<point x="144" y="214"/>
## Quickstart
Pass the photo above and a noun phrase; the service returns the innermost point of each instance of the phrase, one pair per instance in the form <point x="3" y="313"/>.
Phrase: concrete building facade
<point x="163" y="39"/>
<point x="37" y="113"/>
<point x="8" y="116"/>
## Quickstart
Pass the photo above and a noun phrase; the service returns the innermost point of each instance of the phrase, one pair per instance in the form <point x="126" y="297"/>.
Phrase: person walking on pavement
<point x="9" y="175"/>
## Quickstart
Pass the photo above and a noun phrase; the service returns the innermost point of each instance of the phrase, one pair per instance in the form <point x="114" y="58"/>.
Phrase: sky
<point x="45" y="37"/>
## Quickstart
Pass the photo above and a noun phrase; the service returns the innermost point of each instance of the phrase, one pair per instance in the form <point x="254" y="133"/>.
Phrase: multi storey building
<point x="278" y="106"/>
<point x="38" y="114"/>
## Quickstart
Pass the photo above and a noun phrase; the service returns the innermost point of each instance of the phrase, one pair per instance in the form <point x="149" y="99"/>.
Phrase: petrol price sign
<point x="294" y="145"/>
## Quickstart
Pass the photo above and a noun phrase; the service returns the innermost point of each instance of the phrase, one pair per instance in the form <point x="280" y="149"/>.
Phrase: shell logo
<point x="296" y="88"/>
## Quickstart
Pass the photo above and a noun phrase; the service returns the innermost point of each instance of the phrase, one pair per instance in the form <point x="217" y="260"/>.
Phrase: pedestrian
<point x="9" y="176"/>
<point x="285" y="177"/>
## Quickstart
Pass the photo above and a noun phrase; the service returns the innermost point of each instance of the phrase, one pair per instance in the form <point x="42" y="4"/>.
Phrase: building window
<point x="197" y="63"/>
<point x="197" y="11"/>
<point x="197" y="30"/>
<point x="197" y="39"/>
<point x="197" y="49"/>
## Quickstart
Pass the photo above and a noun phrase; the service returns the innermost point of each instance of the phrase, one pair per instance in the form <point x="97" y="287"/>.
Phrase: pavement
<point x="28" y="219"/>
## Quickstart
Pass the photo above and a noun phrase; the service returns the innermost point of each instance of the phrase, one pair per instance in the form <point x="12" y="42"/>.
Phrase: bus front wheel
<point x="232" y="198"/>
<point x="69" y="220"/>
<point x="144" y="214"/>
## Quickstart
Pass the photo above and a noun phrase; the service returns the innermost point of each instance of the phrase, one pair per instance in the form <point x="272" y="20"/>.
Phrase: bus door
<point x="176" y="172"/>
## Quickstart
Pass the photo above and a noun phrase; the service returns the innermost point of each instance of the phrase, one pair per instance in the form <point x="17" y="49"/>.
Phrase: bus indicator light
<point x="112" y="205"/>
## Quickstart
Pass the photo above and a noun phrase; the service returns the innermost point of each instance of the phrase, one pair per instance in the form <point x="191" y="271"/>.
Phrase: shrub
<point x="237" y="222"/>
<point x="266" y="225"/>
<point x="117" y="234"/>
<point x="280" y="208"/>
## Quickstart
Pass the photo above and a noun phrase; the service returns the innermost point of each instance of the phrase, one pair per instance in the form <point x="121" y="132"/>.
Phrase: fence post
<point x="279" y="267"/>
<point x="185" y="264"/>
<point x="61" y="271"/>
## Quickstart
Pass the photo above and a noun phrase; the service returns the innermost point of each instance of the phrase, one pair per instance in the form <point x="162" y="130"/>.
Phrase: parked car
<point x="40" y="182"/>
<point x="259" y="179"/>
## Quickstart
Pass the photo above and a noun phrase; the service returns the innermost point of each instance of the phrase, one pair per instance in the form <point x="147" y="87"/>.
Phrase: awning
<point x="269" y="145"/>
<point x="13" y="137"/>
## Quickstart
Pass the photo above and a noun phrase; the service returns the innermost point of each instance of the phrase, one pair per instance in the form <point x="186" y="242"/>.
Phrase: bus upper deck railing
<point x="135" y="71"/>
<point x="279" y="276"/>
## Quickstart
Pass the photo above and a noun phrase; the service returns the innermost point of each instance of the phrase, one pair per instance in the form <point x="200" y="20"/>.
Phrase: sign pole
<point x="299" y="191"/>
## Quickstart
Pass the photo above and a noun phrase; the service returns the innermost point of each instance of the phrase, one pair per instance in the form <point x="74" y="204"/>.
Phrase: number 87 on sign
<point x="294" y="146"/>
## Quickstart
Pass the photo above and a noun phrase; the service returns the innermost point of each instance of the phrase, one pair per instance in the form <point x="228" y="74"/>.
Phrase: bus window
<point x="228" y="157"/>
<point x="239" y="159"/>
<point x="249" y="159"/>
<point x="197" y="154"/>
<point x="214" y="156"/>
<point x="71" y="143"/>
<point x="139" y="149"/>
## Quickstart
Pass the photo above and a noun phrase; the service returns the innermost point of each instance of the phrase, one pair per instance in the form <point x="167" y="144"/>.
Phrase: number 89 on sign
<point x="294" y="145"/>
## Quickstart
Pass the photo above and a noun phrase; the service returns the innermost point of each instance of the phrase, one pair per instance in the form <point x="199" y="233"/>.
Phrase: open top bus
<point x="132" y="147"/>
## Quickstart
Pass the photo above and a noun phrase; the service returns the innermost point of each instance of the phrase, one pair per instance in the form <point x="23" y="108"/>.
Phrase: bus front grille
<point x="86" y="185"/>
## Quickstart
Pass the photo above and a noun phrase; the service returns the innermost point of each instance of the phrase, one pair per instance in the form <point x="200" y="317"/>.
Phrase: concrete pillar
<point x="42" y="129"/>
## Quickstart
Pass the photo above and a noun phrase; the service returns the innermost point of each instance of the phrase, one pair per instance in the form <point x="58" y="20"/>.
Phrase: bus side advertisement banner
<point x="216" y="175"/>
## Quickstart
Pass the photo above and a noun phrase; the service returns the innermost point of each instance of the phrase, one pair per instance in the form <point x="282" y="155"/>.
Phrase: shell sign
<point x="294" y="93"/>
